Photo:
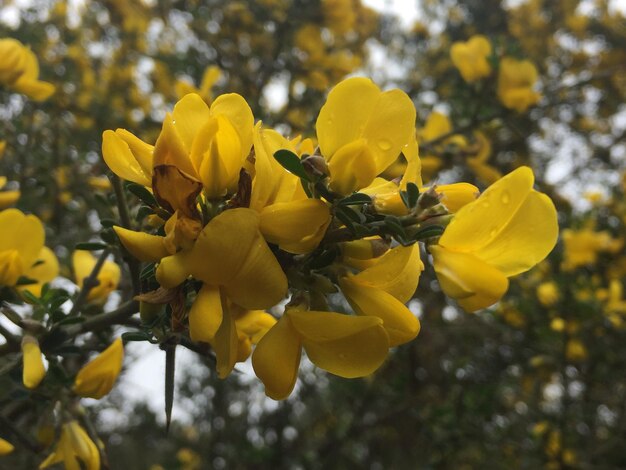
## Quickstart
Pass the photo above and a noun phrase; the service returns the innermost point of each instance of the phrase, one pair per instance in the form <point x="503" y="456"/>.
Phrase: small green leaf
<point x="106" y="223"/>
<point x="147" y="272"/>
<point x="394" y="225"/>
<point x="142" y="193"/>
<point x="291" y="162"/>
<point x="23" y="281"/>
<point x="30" y="298"/>
<point x="325" y="258"/>
<point x="136" y="336"/>
<point x="355" y="199"/>
<point x="90" y="246"/>
<point x="413" y="194"/>
<point x="143" y="212"/>
<point x="428" y="232"/>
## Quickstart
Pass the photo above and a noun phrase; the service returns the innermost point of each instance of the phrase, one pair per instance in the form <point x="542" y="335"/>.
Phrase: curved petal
<point x="22" y="233"/>
<point x="352" y="167"/>
<point x="143" y="246"/>
<point x="276" y="359"/>
<point x="226" y="345"/>
<point x="170" y="149"/>
<point x="205" y="315"/>
<point x="527" y="239"/>
<point x="189" y="115"/>
<point x="120" y="159"/>
<point x="236" y="109"/>
<point x="34" y="370"/>
<point x="289" y="222"/>
<point x="457" y="195"/>
<point x="96" y="378"/>
<point x="173" y="270"/>
<point x="397" y="272"/>
<point x="413" y="171"/>
<point x="473" y="283"/>
<point x="399" y="322"/>
<point x="44" y="270"/>
<point x="141" y="151"/>
<point x="344" y="345"/>
<point x="480" y="222"/>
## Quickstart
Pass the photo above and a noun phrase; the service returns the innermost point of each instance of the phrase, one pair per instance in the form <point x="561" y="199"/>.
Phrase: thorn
<point x="170" y="366"/>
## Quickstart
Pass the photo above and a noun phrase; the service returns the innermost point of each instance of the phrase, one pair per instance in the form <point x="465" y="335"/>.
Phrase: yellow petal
<point x="472" y="282"/>
<point x="189" y="115"/>
<point x="23" y="233"/>
<point x="413" y="172"/>
<point x="34" y="89"/>
<point x="226" y="345"/>
<point x="174" y="270"/>
<point x="170" y="148"/>
<point x="8" y="198"/>
<point x="290" y="222"/>
<point x="236" y="109"/>
<point x="352" y="167"/>
<point x="205" y="316"/>
<point x="527" y="238"/>
<point x="276" y="359"/>
<point x="254" y="324"/>
<point x="143" y="246"/>
<point x="96" y="378"/>
<point x="480" y="222"/>
<point x="399" y="322"/>
<point x="397" y="272"/>
<point x="34" y="370"/>
<point x="5" y="447"/>
<point x="457" y="195"/>
<point x="82" y="445"/>
<point x="343" y="345"/>
<point x="121" y="161"/>
<point x="44" y="270"/>
<point x="141" y="151"/>
<point x="356" y="108"/>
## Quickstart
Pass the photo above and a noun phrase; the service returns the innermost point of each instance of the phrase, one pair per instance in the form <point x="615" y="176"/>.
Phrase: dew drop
<point x="505" y="198"/>
<point x="384" y="144"/>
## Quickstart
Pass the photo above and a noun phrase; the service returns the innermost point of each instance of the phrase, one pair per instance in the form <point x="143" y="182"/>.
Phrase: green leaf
<point x="325" y="258"/>
<point x="90" y="246"/>
<point x="355" y="199"/>
<point x="106" y="223"/>
<point x="394" y="225"/>
<point x="428" y="232"/>
<point x="142" y="193"/>
<point x="147" y="272"/>
<point x="143" y="212"/>
<point x="291" y="162"/>
<point x="23" y="281"/>
<point x="31" y="298"/>
<point x="136" y="336"/>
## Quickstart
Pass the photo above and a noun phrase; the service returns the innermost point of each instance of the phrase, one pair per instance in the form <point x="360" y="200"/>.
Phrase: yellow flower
<point x="20" y="70"/>
<point x="548" y="293"/>
<point x="516" y="79"/>
<point x="241" y="269"/>
<point x="287" y="217"/>
<point x="7" y="198"/>
<point x="20" y="244"/>
<point x="45" y="269"/>
<point x="506" y="231"/>
<point x="34" y="370"/>
<point x="344" y="345"/>
<point x="382" y="290"/>
<point x="96" y="378"/>
<point x="361" y="131"/>
<point x="471" y="58"/>
<point x="74" y="447"/>
<point x="5" y="447"/>
<point x="83" y="263"/>
<point x="582" y="246"/>
<point x="127" y="156"/>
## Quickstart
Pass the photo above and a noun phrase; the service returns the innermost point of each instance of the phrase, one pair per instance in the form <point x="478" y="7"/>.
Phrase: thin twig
<point x="122" y="207"/>
<point x="89" y="283"/>
<point x="102" y="320"/>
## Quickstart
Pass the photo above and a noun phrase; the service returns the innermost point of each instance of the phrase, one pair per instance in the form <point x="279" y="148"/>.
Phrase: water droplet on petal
<point x="384" y="144"/>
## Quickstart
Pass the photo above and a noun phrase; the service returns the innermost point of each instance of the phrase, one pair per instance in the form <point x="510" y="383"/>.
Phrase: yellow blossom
<point x="73" y="448"/>
<point x="361" y="131"/>
<point x="45" y="269"/>
<point x="582" y="246"/>
<point x="548" y="293"/>
<point x="7" y="198"/>
<point x="210" y="76"/>
<point x="344" y="345"/>
<point x="83" y="263"/>
<point x="506" y="231"/>
<point x="5" y="447"/>
<point x="96" y="378"/>
<point x="34" y="370"/>
<point x="20" y="244"/>
<point x="516" y="80"/>
<point x="19" y="71"/>
<point x="471" y="58"/>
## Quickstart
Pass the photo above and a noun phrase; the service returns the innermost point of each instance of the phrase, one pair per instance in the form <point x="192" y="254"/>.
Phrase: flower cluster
<point x="247" y="220"/>
<point x="19" y="70"/>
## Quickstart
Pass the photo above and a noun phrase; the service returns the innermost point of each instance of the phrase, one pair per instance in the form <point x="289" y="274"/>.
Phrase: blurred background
<point x="537" y="381"/>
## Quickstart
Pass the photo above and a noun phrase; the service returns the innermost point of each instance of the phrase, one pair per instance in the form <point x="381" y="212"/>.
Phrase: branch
<point x="122" y="207"/>
<point x="102" y="320"/>
<point x="89" y="283"/>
